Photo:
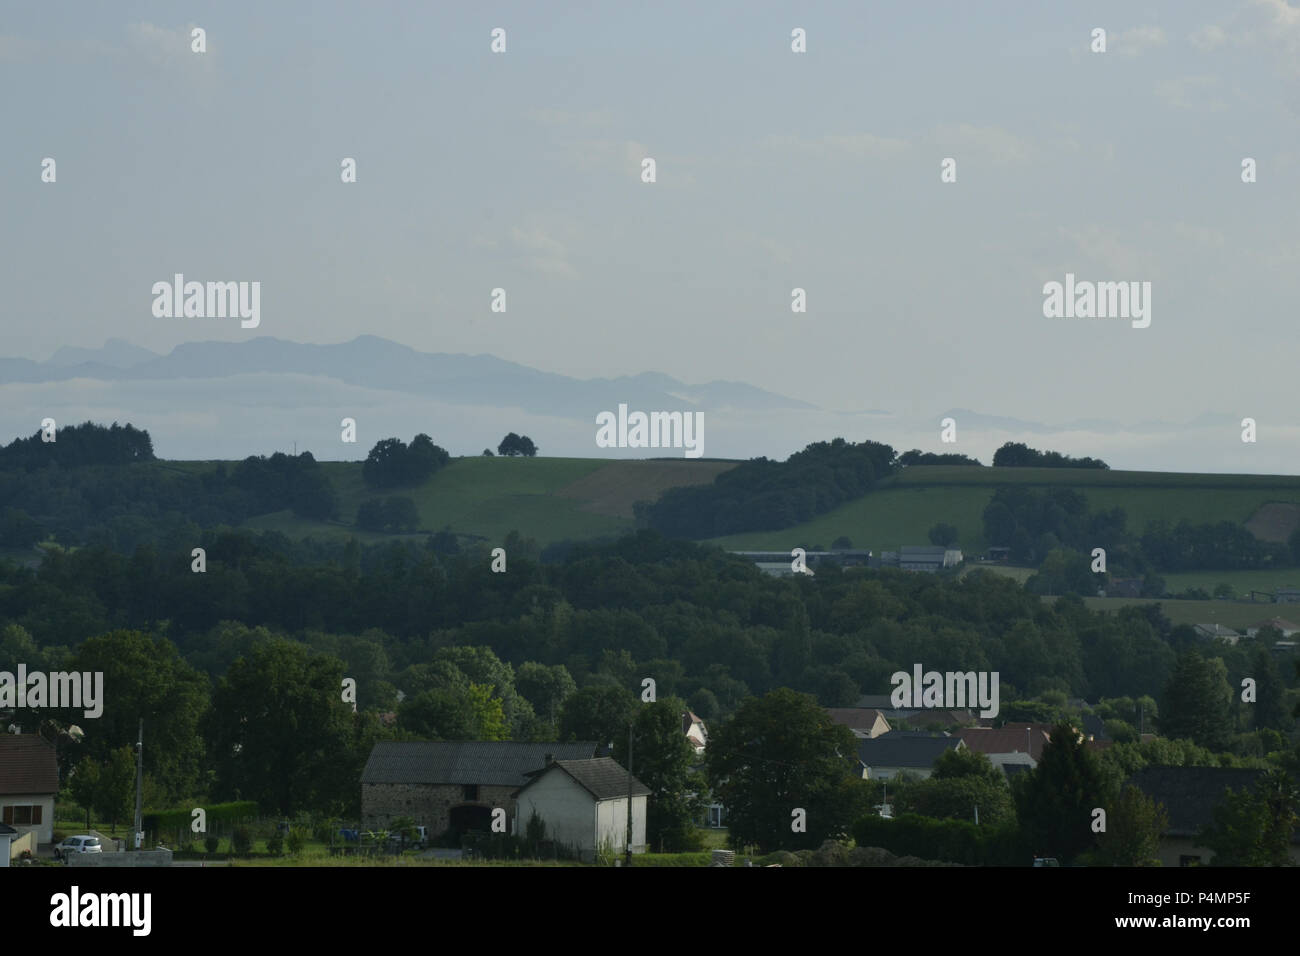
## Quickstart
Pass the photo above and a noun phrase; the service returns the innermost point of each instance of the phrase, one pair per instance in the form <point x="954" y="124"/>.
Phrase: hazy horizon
<point x="775" y="170"/>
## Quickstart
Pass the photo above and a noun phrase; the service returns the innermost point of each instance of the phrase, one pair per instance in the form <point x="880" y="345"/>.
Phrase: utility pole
<point x="139" y="787"/>
<point x="627" y="847"/>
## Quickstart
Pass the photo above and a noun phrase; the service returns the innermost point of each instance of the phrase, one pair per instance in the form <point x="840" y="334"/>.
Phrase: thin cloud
<point x="163" y="47"/>
<point x="835" y="146"/>
<point x="1138" y="40"/>
<point x="993" y="143"/>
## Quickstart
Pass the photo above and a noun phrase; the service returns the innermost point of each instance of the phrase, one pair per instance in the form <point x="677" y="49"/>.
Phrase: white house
<point x="583" y="803"/>
<point x="1217" y="632"/>
<point x="695" y="731"/>
<point x="29" y="781"/>
<point x="1287" y="628"/>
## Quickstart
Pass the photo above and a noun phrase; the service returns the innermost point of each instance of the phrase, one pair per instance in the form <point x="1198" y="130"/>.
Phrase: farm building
<point x="583" y="803"/>
<point x="453" y="785"/>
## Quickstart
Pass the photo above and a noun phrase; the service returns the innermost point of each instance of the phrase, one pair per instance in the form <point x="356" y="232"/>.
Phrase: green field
<point x="551" y="499"/>
<point x="904" y="508"/>
<point x="547" y="499"/>
<point x="1234" y="614"/>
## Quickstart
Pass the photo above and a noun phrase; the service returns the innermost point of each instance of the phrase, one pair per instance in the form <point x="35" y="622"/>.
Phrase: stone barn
<point x="453" y="785"/>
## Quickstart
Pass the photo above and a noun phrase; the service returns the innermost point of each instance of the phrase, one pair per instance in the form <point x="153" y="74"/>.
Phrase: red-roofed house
<point x="1287" y="628"/>
<point x="695" y="731"/>
<point x="1007" y="739"/>
<point x="29" y="781"/>
<point x="865" y="722"/>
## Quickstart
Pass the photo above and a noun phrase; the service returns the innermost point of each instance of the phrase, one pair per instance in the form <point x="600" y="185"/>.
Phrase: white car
<point x="78" y="844"/>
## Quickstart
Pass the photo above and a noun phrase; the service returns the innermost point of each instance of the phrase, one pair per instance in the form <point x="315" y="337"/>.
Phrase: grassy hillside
<point x="548" y="499"/>
<point x="1235" y="614"/>
<point x="903" y="510"/>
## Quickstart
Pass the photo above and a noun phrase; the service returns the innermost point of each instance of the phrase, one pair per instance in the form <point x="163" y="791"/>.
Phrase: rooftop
<point x="491" y="763"/>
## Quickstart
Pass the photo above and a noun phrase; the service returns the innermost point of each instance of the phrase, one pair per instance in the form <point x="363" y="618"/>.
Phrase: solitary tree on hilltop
<point x="514" y="445"/>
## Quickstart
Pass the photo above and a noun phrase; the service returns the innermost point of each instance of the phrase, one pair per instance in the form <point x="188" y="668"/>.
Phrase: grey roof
<point x="1189" y="794"/>
<point x="878" y="701"/>
<point x="1094" y="725"/>
<point x="490" y="763"/>
<point x="904" y="749"/>
<point x="602" y="777"/>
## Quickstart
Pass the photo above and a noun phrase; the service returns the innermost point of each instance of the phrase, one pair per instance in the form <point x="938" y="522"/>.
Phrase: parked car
<point x="84" y="843"/>
<point x="416" y="838"/>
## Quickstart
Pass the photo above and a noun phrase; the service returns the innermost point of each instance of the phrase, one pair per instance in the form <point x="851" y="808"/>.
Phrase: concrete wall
<point x="611" y="823"/>
<point x="428" y="804"/>
<point x="567" y="810"/>
<point x="21" y="844"/>
<point x="45" y="831"/>
<point x="138" y="858"/>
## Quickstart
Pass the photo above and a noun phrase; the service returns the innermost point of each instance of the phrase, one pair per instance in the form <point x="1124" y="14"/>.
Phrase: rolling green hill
<point x="904" y="508"/>
<point x="547" y="499"/>
<point x="550" y="499"/>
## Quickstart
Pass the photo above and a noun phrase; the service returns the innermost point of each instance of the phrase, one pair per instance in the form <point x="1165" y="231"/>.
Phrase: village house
<point x="696" y="732"/>
<point x="583" y="804"/>
<point x="1281" y="625"/>
<point x="865" y="722"/>
<point x="453" y="785"/>
<point x="1027" y="739"/>
<point x="29" y="782"/>
<point x="902" y="752"/>
<point x="1189" y="796"/>
<point x="1211" y="632"/>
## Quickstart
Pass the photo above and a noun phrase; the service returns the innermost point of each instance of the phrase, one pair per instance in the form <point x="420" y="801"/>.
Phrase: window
<point x="21" y="816"/>
<point x="469" y="791"/>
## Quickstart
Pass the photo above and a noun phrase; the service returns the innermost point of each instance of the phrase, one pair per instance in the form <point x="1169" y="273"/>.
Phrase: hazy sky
<point x="819" y="170"/>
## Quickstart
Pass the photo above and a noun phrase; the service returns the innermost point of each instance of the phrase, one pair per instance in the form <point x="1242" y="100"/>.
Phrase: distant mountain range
<point x="207" y="400"/>
<point x="375" y="363"/>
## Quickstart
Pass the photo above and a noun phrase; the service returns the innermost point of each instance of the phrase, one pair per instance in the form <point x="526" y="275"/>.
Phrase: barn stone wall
<point x="429" y="805"/>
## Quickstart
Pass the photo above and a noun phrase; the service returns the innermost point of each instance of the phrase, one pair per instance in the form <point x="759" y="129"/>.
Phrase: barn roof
<point x="486" y="762"/>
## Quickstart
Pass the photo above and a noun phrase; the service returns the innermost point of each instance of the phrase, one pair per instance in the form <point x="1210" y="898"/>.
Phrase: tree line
<point x="1035" y="523"/>
<point x="765" y="495"/>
